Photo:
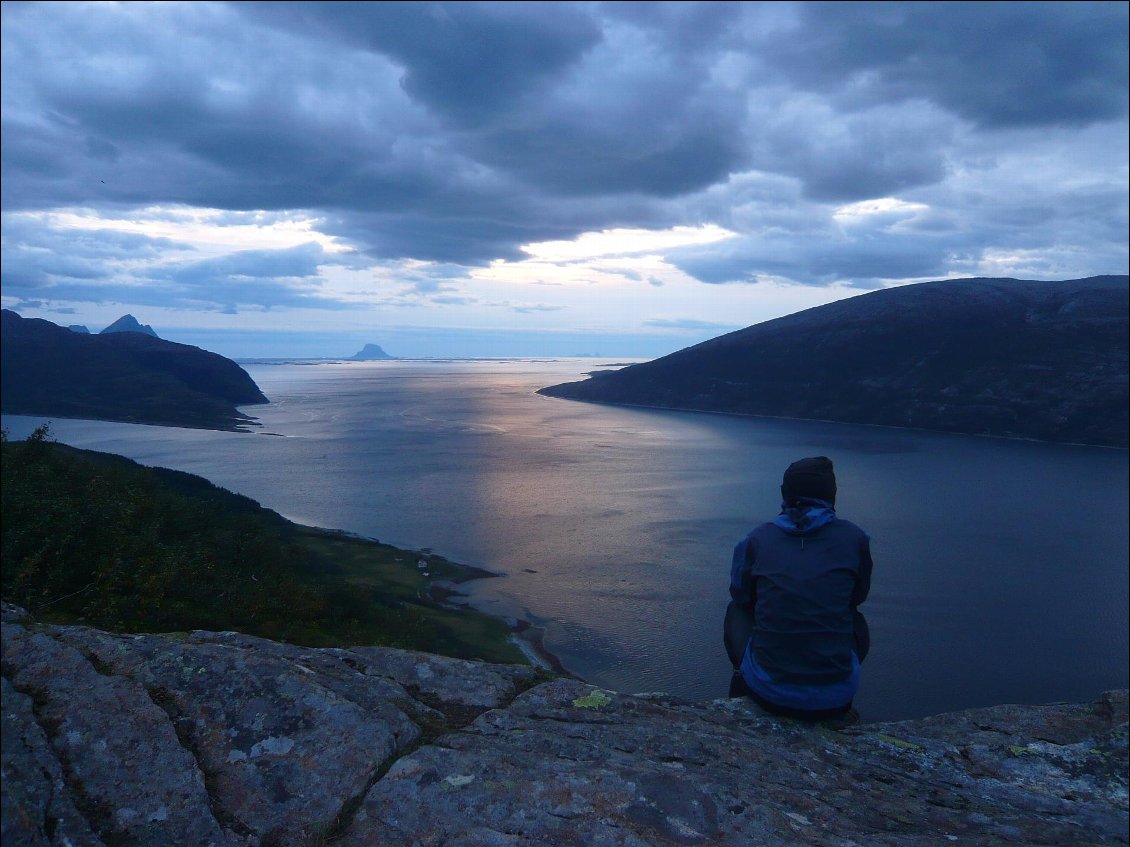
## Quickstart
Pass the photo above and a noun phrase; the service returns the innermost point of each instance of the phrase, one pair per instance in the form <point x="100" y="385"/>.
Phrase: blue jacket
<point x="802" y="575"/>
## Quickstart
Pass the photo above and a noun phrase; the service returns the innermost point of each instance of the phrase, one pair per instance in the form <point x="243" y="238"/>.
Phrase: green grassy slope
<point x="97" y="538"/>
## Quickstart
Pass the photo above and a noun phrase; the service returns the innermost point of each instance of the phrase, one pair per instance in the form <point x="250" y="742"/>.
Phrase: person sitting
<point x="793" y="630"/>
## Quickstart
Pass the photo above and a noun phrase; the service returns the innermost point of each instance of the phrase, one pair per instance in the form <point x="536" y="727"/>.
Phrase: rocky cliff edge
<point x="223" y="739"/>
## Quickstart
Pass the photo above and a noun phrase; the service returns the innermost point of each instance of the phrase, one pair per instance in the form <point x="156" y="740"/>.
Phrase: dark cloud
<point x="691" y="324"/>
<point x="458" y="132"/>
<point x="465" y="61"/>
<point x="689" y="28"/>
<point x="865" y="262"/>
<point x="681" y="152"/>
<point x="252" y="278"/>
<point x="218" y="296"/>
<point x="875" y="153"/>
<point x="539" y="91"/>
<point x="99" y="148"/>
<point x="996" y="64"/>
<point x="290" y="263"/>
<point x="464" y="236"/>
<point x="453" y="300"/>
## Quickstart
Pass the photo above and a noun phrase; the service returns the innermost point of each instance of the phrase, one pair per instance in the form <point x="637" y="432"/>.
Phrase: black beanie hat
<point x="812" y="477"/>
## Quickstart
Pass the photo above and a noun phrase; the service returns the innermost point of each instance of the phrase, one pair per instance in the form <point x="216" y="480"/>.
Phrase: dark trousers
<point x="738" y="628"/>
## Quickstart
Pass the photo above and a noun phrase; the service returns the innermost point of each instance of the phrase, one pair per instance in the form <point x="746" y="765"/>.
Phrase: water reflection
<point x="1000" y="566"/>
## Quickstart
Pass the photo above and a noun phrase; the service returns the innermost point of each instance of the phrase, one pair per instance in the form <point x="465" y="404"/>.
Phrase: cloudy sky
<point x="273" y="179"/>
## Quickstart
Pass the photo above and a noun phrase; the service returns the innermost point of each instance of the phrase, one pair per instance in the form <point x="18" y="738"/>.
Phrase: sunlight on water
<point x="1001" y="566"/>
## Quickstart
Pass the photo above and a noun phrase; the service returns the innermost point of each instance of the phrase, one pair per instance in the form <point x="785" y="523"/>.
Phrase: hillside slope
<point x="96" y="537"/>
<point x="119" y="376"/>
<point x="1020" y="358"/>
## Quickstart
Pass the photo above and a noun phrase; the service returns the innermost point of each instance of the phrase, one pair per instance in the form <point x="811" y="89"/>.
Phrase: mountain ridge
<point x="126" y="376"/>
<point x="1007" y="357"/>
<point x="128" y="323"/>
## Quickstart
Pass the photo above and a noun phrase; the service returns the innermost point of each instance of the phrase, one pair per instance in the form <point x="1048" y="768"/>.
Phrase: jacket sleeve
<point x="743" y="587"/>
<point x="863" y="577"/>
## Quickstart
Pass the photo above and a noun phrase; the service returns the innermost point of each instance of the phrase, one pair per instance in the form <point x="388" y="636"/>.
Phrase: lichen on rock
<point x="224" y="739"/>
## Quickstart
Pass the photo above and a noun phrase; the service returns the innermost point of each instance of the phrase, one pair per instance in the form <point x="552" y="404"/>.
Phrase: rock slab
<point x="224" y="739"/>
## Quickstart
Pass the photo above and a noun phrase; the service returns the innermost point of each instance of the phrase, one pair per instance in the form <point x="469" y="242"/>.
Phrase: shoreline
<point x="528" y="637"/>
<point x="524" y="634"/>
<point x="234" y="423"/>
<point x="521" y="635"/>
<point x="544" y="392"/>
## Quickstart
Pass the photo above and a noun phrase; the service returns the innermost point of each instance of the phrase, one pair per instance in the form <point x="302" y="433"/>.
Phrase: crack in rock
<point x="373" y="747"/>
<point x="121" y="762"/>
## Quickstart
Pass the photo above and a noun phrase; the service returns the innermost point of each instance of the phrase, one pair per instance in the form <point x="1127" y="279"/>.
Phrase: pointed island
<point x="370" y="353"/>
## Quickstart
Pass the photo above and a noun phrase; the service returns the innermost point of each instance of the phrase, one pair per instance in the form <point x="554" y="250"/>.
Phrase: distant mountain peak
<point x="79" y="328"/>
<point x="368" y="353"/>
<point x="125" y="375"/>
<point x="128" y="323"/>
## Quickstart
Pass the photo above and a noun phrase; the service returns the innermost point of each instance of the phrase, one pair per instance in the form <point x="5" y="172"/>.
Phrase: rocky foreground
<point x="224" y="739"/>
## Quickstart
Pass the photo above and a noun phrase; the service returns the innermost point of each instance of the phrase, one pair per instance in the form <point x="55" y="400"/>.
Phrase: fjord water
<point x="1000" y="566"/>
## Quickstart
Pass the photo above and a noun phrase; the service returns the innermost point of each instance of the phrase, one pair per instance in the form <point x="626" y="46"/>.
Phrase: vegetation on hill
<point x="1006" y="357"/>
<point x="97" y="538"/>
<point x="119" y="376"/>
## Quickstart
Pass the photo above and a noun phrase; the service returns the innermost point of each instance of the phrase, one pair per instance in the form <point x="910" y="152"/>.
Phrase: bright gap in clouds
<point x="211" y="231"/>
<point x="882" y="209"/>
<point x="603" y="258"/>
<point x="622" y="242"/>
<point x="610" y="290"/>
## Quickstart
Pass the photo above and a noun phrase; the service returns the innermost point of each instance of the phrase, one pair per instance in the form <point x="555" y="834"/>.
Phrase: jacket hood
<point x="810" y="479"/>
<point x="805" y="516"/>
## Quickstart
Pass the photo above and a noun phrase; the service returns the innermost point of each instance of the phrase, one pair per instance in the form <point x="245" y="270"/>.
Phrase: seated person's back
<point x="793" y="630"/>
